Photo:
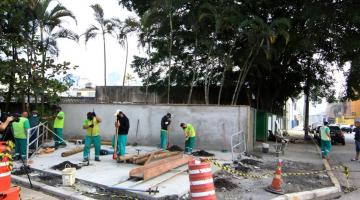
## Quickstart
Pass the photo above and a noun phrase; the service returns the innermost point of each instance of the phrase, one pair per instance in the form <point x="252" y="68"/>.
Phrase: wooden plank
<point x="149" y="159"/>
<point x="157" y="156"/>
<point x="159" y="167"/>
<point x="145" y="156"/>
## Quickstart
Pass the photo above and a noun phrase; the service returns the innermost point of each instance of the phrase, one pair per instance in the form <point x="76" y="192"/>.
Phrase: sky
<point x="89" y="57"/>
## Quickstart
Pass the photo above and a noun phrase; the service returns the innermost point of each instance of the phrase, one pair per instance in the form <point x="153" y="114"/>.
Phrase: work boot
<point x="86" y="160"/>
<point x="62" y="145"/>
<point x="97" y="159"/>
<point x="118" y="159"/>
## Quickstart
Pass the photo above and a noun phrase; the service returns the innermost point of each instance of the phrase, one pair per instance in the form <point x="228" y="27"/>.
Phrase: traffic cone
<point x="275" y="186"/>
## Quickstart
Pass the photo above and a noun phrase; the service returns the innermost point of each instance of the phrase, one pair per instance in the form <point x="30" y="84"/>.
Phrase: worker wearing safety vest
<point x="190" y="137"/>
<point x="58" y="128"/>
<point x="20" y="125"/>
<point x="92" y="127"/>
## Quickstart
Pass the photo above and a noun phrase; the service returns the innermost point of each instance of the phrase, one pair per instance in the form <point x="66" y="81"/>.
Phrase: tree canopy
<point x="266" y="51"/>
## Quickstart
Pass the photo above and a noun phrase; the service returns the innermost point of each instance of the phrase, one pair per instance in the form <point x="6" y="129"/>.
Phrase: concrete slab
<point x="111" y="174"/>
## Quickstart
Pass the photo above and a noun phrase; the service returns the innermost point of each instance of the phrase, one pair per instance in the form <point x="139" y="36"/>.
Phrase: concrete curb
<point x="317" y="193"/>
<point x="59" y="192"/>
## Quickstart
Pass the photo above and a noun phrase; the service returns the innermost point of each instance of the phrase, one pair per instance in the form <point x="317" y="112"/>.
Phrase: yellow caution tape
<point x="235" y="172"/>
<point x="346" y="172"/>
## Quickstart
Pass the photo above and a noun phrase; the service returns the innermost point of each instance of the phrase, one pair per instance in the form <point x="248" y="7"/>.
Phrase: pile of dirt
<point x="251" y="162"/>
<point x="23" y="170"/>
<point x="242" y="168"/>
<point x="175" y="148"/>
<point x="64" y="165"/>
<point x="202" y="153"/>
<point x="221" y="183"/>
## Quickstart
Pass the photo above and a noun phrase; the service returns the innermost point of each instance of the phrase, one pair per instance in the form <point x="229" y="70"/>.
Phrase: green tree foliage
<point x="29" y="31"/>
<point x="269" y="50"/>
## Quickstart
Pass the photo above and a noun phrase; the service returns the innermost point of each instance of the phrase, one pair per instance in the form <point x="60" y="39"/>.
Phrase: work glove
<point x="91" y="125"/>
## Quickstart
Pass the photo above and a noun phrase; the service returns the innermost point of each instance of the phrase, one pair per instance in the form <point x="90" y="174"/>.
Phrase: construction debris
<point x="46" y="150"/>
<point x="65" y="164"/>
<point x="175" y="148"/>
<point x="23" y="170"/>
<point x="72" y="151"/>
<point x="222" y="183"/>
<point x="242" y="168"/>
<point x="202" y="153"/>
<point x="250" y="162"/>
<point x="156" y="168"/>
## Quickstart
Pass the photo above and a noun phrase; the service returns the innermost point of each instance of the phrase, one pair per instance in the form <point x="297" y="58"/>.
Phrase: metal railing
<point x="236" y="143"/>
<point x="42" y="132"/>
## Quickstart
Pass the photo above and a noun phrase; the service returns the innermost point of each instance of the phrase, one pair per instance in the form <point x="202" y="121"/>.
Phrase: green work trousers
<point x="59" y="133"/>
<point x="325" y="147"/>
<point x="163" y="139"/>
<point x="20" y="147"/>
<point x="189" y="144"/>
<point x="121" y="144"/>
<point x="97" y="144"/>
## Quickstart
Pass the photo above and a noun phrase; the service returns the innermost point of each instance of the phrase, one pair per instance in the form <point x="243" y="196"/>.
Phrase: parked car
<point x="345" y="128"/>
<point x="337" y="136"/>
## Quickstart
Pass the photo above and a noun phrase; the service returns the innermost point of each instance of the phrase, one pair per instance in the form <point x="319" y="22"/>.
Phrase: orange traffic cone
<point x="275" y="186"/>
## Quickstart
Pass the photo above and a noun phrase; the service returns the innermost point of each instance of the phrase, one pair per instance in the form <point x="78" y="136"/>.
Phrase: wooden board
<point x="156" y="168"/>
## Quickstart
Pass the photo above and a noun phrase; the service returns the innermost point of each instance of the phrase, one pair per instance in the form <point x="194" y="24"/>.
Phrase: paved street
<point x="341" y="155"/>
<point x="28" y="194"/>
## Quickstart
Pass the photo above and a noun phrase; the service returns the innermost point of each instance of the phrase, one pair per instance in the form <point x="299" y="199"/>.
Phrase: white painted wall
<point x="214" y="124"/>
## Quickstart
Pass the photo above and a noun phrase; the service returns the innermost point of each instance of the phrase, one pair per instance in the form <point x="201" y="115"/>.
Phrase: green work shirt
<point x="190" y="131"/>
<point x="94" y="131"/>
<point x="324" y="130"/>
<point x="59" y="123"/>
<point x="19" y="128"/>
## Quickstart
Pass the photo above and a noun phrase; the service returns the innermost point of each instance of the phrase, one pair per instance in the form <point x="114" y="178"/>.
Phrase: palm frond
<point x="91" y="33"/>
<point x="98" y="12"/>
<point x="66" y="33"/>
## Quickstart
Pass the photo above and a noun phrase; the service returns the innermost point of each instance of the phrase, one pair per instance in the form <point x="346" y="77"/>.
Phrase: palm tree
<point x="49" y="21"/>
<point x="258" y="31"/>
<point x="123" y="29"/>
<point x="103" y="27"/>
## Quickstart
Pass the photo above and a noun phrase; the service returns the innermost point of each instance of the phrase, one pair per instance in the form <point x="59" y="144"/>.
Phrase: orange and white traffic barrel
<point x="201" y="181"/>
<point x="5" y="176"/>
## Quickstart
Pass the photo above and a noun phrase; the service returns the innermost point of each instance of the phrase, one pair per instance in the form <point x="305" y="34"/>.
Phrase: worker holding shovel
<point x="164" y="133"/>
<point x="92" y="127"/>
<point x="190" y="137"/>
<point x="122" y="126"/>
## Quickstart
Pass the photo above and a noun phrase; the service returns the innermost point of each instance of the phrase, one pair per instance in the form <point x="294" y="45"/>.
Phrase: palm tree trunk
<point x="43" y="54"/>
<point x="194" y="72"/>
<point x="104" y="50"/>
<point x="126" y="60"/>
<point x="170" y="56"/>
<point x="221" y="85"/>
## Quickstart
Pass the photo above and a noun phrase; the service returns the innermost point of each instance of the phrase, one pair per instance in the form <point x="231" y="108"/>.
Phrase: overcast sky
<point x="89" y="57"/>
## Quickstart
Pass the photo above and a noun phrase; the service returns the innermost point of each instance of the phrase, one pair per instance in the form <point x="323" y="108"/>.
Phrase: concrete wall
<point x="214" y="125"/>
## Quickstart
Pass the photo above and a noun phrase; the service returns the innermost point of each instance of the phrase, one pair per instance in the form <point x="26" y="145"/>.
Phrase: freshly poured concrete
<point x="112" y="174"/>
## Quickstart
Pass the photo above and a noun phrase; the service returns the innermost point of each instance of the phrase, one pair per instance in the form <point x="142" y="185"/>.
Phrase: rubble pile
<point x="65" y="164"/>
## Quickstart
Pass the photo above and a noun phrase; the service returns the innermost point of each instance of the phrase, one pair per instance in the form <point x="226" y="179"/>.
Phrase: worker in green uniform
<point x="58" y="128"/>
<point x="165" y="124"/>
<point x="20" y="126"/>
<point x="92" y="127"/>
<point x="325" y="140"/>
<point x="190" y="137"/>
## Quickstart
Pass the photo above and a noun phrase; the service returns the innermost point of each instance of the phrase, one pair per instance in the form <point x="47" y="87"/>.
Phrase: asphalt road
<point x="342" y="155"/>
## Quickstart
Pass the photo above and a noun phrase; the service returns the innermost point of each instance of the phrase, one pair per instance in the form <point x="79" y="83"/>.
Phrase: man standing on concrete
<point x="20" y="126"/>
<point x="58" y="128"/>
<point x="91" y="125"/>
<point x="325" y="140"/>
<point x="357" y="140"/>
<point x="122" y="125"/>
<point x="165" y="125"/>
<point x="190" y="137"/>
